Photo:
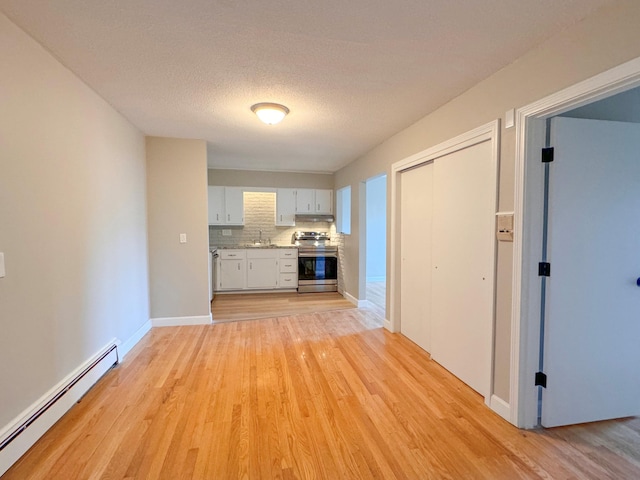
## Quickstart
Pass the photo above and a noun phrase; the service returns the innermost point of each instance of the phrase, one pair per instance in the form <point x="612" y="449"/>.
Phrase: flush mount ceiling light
<point x="270" y="113"/>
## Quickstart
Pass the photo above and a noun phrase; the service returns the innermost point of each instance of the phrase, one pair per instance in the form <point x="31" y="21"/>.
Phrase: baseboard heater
<point x="53" y="406"/>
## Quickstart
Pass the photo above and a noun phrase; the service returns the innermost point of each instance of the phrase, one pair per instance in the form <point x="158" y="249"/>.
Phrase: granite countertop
<point x="250" y="246"/>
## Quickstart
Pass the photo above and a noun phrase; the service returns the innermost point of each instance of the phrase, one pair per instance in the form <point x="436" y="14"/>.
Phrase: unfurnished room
<point x="319" y="240"/>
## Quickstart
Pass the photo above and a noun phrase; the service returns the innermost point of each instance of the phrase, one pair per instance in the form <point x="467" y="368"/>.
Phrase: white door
<point x="463" y="264"/>
<point x="415" y="244"/>
<point x="592" y="329"/>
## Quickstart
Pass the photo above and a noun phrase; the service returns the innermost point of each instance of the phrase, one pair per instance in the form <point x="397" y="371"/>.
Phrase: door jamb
<point x="525" y="312"/>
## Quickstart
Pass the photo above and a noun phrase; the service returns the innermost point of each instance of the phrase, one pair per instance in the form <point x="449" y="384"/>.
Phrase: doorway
<point x="590" y="99"/>
<point x="376" y="243"/>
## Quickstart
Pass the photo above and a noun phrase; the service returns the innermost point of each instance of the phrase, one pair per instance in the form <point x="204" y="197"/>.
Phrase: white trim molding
<point x="354" y="300"/>
<point x="23" y="432"/>
<point x="125" y="347"/>
<point x="501" y="407"/>
<point x="181" y="321"/>
<point x="525" y="315"/>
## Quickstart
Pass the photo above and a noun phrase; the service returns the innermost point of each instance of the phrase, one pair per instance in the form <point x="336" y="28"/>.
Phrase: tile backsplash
<point x="259" y="215"/>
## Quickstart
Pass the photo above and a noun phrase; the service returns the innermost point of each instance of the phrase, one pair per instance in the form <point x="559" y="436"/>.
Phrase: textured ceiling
<point x="352" y="72"/>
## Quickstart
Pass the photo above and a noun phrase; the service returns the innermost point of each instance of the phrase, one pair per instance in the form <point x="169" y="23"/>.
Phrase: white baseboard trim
<point x="388" y="326"/>
<point x="501" y="407"/>
<point x="125" y="347"/>
<point x="21" y="433"/>
<point x="181" y="321"/>
<point x="354" y="300"/>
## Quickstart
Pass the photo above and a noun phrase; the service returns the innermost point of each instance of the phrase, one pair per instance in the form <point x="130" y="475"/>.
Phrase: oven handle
<point x="315" y="255"/>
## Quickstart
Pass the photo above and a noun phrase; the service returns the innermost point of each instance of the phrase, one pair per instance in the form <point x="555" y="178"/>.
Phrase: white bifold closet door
<point x="448" y="261"/>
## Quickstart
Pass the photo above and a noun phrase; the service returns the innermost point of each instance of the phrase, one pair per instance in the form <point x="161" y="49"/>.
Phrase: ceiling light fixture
<point x="270" y="113"/>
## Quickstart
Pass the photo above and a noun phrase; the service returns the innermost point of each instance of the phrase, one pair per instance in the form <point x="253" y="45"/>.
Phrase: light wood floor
<point x="232" y="307"/>
<point x="327" y="396"/>
<point x="376" y="294"/>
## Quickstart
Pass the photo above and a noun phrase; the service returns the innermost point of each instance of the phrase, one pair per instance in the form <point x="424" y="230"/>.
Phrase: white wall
<point x="72" y="223"/>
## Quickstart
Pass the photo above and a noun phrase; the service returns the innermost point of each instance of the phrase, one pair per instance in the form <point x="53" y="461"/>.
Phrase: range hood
<point x="314" y="217"/>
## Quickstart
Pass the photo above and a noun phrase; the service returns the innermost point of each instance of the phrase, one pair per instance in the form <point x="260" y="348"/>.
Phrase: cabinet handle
<point x="228" y="216"/>
<point x="238" y="266"/>
<point x="217" y="217"/>
<point x="318" y="207"/>
<point x="308" y="207"/>
<point x="250" y="265"/>
<point x="280" y="217"/>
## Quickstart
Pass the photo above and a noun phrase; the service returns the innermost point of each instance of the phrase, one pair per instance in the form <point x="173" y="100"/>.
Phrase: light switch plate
<point x="2" y="271"/>
<point x="226" y="233"/>
<point x="183" y="238"/>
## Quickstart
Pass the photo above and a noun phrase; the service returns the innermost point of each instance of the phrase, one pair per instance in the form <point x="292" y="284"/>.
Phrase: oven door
<point x="317" y="272"/>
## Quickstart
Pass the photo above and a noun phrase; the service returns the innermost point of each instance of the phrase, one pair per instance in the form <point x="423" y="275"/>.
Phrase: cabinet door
<point x="324" y="201"/>
<point x="305" y="200"/>
<point x="232" y="274"/>
<point x="288" y="280"/>
<point x="216" y="205"/>
<point x="262" y="273"/>
<point x="285" y="207"/>
<point x="234" y="206"/>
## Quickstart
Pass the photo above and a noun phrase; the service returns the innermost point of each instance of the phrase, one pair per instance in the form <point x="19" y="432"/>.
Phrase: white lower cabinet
<point x="288" y="269"/>
<point x="262" y="268"/>
<point x="257" y="269"/>
<point x="232" y="269"/>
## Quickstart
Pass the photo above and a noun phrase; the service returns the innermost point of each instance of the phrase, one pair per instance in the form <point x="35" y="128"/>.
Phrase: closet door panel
<point x="463" y="264"/>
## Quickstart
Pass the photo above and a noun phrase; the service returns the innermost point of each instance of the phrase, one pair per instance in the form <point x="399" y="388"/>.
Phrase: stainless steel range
<point x="317" y="262"/>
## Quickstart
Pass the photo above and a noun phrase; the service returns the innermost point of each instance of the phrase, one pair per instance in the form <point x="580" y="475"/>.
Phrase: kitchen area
<point x="267" y="241"/>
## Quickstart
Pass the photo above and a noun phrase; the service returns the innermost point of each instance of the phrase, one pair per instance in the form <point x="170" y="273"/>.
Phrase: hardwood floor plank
<point x="234" y="307"/>
<point x="323" y="395"/>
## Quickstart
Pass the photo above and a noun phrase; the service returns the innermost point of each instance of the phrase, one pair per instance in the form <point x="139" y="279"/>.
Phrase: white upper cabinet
<point x="216" y="205"/>
<point x="286" y="207"/>
<point x="226" y="206"/>
<point x="305" y="200"/>
<point x="310" y="201"/>
<point x="234" y="205"/>
<point x="324" y="201"/>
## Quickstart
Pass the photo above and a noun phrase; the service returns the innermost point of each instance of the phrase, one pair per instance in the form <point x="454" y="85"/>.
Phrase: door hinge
<point x="544" y="269"/>
<point x="547" y="155"/>
<point x="541" y="380"/>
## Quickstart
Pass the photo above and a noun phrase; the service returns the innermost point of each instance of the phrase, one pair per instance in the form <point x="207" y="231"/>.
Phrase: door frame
<point x="528" y="205"/>
<point x="488" y="132"/>
<point x="364" y="240"/>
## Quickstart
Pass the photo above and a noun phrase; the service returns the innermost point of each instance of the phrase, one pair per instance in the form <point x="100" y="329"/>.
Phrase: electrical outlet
<point x="226" y="232"/>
